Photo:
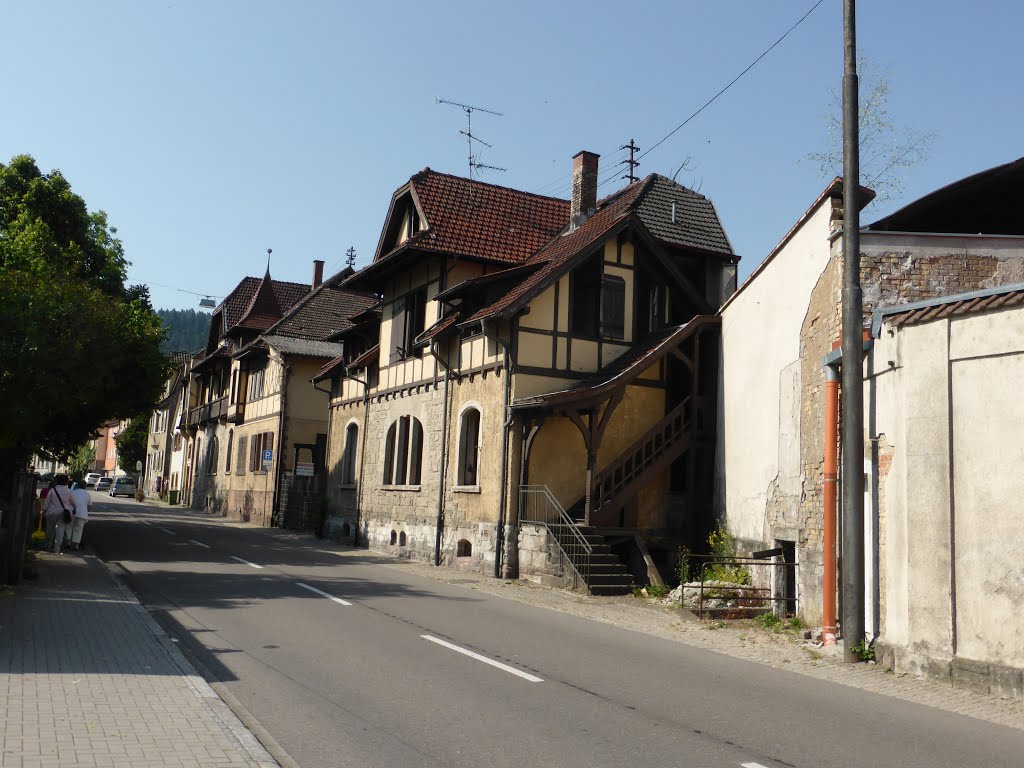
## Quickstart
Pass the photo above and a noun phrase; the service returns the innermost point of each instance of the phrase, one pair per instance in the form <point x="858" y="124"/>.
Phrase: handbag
<point x="67" y="512"/>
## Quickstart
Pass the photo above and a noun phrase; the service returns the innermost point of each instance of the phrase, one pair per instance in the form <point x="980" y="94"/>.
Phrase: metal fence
<point x="747" y="597"/>
<point x="538" y="506"/>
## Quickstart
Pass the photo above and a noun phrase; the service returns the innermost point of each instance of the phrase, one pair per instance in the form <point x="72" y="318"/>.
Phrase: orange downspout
<point x="828" y="611"/>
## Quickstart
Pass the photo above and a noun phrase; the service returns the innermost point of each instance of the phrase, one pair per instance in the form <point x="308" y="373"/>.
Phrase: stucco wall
<point x="946" y="398"/>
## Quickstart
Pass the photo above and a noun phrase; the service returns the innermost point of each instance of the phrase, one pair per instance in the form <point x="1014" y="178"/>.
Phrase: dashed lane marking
<point x="484" y="659"/>
<point x="167" y="530"/>
<point x="751" y="765"/>
<point x="324" y="594"/>
<point x="199" y="543"/>
<point x="251" y="565"/>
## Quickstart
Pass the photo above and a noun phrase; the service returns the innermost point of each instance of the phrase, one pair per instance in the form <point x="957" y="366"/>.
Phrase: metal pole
<point x="853" y="323"/>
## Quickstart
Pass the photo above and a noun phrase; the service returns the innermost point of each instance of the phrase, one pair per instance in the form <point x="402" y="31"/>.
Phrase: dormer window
<point x="412" y="219"/>
<point x="408" y="320"/>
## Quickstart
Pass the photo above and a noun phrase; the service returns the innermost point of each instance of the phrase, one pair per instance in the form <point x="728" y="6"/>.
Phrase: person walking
<point x="83" y="506"/>
<point x="58" y="506"/>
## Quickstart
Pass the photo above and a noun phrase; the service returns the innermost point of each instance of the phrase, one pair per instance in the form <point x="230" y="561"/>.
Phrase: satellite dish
<point x="207" y="303"/>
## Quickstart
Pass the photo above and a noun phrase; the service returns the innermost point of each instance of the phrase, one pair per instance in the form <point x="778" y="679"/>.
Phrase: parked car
<point x="104" y="484"/>
<point x="123" y="486"/>
<point x="90" y="479"/>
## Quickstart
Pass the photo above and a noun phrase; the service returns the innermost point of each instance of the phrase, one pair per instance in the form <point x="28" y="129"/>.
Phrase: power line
<point x="733" y="81"/>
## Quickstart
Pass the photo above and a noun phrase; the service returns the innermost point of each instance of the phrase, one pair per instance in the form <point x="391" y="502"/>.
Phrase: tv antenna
<point x="474" y="159"/>
<point x="350" y="256"/>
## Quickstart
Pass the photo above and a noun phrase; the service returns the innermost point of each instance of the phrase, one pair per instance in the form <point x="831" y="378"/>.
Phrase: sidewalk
<point x="87" y="678"/>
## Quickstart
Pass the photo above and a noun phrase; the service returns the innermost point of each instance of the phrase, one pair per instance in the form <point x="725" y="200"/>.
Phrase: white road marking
<point x="484" y="659"/>
<point x="199" y="543"/>
<point x="165" y="530"/>
<point x="751" y="765"/>
<point x="324" y="594"/>
<point x="251" y="565"/>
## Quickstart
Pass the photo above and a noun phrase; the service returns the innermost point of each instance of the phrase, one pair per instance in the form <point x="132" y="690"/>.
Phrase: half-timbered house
<point x="535" y="391"/>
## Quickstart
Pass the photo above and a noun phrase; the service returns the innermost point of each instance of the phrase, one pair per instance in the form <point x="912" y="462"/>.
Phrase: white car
<point x="103" y="484"/>
<point x="90" y="479"/>
<point x="123" y="486"/>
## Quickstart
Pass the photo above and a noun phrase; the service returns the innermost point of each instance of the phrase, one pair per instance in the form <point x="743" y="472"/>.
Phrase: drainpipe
<point x="362" y="465"/>
<point x="280" y="447"/>
<point x="503" y="502"/>
<point x="442" y="466"/>
<point x="828" y="611"/>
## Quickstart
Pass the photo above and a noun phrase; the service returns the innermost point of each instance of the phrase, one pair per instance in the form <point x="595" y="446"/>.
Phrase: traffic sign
<point x="268" y="457"/>
<point x="304" y="468"/>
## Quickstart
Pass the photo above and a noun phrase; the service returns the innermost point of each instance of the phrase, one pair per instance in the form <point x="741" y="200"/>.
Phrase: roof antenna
<point x="474" y="160"/>
<point x="351" y="257"/>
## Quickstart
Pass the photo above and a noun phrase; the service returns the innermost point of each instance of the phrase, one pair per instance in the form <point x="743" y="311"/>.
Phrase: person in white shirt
<point x="83" y="505"/>
<point x="57" y="501"/>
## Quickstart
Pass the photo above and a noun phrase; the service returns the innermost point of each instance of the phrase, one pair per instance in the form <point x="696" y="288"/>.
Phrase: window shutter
<point x="397" y="348"/>
<point x="613" y="307"/>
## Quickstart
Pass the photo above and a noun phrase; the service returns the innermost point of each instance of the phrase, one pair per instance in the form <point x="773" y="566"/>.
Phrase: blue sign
<point x="268" y="456"/>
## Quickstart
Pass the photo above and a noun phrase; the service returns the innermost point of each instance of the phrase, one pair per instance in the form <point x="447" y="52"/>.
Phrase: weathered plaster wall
<point x="947" y="400"/>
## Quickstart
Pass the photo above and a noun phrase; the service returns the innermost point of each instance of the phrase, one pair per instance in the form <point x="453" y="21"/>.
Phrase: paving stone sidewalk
<point x="88" y="678"/>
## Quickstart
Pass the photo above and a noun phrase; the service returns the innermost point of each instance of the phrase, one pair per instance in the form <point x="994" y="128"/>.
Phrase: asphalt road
<point x="346" y="660"/>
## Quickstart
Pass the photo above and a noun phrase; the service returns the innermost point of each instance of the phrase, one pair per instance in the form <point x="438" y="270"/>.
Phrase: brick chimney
<point x="584" y="187"/>
<point x="318" y="273"/>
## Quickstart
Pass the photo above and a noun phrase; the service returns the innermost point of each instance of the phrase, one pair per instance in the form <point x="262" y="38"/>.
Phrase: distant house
<point x="780" y="330"/>
<point x="249" y="396"/>
<point x="162" y="475"/>
<point x="534" y="392"/>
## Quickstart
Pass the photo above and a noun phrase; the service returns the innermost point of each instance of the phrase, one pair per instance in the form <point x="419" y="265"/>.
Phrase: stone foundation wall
<point x="978" y="676"/>
<point x="541" y="560"/>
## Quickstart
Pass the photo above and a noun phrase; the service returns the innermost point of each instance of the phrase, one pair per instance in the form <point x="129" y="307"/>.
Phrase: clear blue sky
<point x="211" y="131"/>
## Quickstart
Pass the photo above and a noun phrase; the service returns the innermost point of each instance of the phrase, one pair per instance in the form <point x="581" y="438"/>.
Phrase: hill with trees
<point x="187" y="329"/>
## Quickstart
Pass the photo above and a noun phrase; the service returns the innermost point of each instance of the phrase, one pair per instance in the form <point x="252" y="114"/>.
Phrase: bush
<point x="722" y="547"/>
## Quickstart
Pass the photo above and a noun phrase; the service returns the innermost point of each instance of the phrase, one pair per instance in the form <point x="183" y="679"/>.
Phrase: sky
<point x="212" y="131"/>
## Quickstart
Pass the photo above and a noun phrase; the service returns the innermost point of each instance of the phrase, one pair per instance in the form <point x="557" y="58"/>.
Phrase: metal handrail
<point x="538" y="506"/>
<point x="758" y="594"/>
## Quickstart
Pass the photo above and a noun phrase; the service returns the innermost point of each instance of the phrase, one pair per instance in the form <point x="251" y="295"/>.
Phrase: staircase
<point x="584" y="550"/>
<point x="623" y="478"/>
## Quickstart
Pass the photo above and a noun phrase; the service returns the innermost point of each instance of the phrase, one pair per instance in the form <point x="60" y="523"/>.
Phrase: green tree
<point x="131" y="443"/>
<point x="78" y="346"/>
<point x="887" y="151"/>
<point x="187" y="329"/>
<point x="82" y="460"/>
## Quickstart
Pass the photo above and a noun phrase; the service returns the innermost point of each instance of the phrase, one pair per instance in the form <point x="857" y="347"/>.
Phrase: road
<point x="346" y="660"/>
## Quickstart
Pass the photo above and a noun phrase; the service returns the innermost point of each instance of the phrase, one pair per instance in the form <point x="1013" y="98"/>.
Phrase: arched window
<point x="469" y="447"/>
<point x="401" y="539"/>
<point x="348" y="457"/>
<point x="227" y="455"/>
<point x="403" y="452"/>
<point x="464" y="548"/>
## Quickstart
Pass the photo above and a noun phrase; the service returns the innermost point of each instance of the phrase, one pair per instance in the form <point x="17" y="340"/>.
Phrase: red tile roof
<point x="481" y="220"/>
<point x="247" y="306"/>
<point x="560" y="251"/>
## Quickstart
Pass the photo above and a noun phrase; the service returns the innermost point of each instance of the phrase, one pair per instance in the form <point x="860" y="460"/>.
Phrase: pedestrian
<point x="59" y="508"/>
<point x="83" y="506"/>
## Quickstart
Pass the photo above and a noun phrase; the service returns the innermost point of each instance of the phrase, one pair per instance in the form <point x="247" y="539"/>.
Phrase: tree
<point x="82" y="460"/>
<point x="78" y="346"/>
<point x="887" y="152"/>
<point x="187" y="330"/>
<point x="131" y="442"/>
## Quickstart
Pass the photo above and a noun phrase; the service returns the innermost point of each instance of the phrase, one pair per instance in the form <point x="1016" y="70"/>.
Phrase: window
<point x="403" y="452"/>
<point x="469" y="447"/>
<point x="348" y="458"/>
<point x="613" y="307"/>
<point x="212" y="453"/>
<point x="408" y="320"/>
<point x="264" y="441"/>
<point x="256" y="384"/>
<point x="243" y="441"/>
<point x="585" y="284"/>
<point x="234" y="387"/>
<point x="227" y="453"/>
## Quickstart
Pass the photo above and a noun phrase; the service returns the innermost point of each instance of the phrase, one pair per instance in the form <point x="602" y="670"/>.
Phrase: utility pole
<point x="632" y="162"/>
<point x="853" y="335"/>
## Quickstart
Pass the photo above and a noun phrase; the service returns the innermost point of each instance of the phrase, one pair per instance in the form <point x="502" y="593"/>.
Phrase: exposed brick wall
<point x="888" y="278"/>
